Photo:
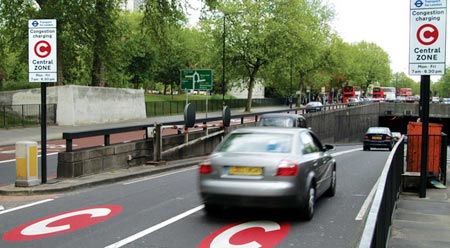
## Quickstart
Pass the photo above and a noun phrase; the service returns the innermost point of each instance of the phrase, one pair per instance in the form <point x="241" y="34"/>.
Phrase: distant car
<point x="446" y="100"/>
<point x="353" y="101"/>
<point x="378" y="137"/>
<point x="268" y="167"/>
<point x="313" y="107"/>
<point x="435" y="99"/>
<point x="282" y="120"/>
<point x="396" y="136"/>
<point x="410" y="99"/>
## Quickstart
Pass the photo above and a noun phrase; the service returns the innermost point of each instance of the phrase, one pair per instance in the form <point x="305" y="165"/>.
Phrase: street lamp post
<point x="290" y="88"/>
<point x="223" y="60"/>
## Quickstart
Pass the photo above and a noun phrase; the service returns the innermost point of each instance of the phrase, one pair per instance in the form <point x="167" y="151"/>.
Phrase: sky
<point x="383" y="22"/>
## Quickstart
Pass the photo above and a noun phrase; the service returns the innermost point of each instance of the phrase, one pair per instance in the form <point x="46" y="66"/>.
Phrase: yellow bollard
<point x="26" y="164"/>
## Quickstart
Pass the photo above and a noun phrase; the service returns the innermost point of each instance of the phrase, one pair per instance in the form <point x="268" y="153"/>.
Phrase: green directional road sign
<point x="196" y="79"/>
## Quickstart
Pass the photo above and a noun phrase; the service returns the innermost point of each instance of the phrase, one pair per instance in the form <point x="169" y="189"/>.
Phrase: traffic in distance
<point x="353" y="95"/>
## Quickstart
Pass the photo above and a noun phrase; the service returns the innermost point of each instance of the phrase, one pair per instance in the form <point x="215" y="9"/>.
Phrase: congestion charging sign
<point x="427" y="37"/>
<point x="42" y="66"/>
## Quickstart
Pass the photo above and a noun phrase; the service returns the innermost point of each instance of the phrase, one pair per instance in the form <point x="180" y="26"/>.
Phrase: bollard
<point x="26" y="164"/>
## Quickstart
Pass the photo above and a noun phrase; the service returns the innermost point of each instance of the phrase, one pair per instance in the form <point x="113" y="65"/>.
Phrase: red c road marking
<point x="251" y="234"/>
<point x="62" y="223"/>
<point x="427" y="34"/>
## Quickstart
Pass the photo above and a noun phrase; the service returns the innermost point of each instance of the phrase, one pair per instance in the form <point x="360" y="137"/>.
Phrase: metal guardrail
<point x="25" y="115"/>
<point x="378" y="223"/>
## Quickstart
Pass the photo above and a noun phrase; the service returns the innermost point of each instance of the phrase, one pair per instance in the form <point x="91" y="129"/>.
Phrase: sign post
<point x="196" y="79"/>
<point x="42" y="67"/>
<point x="426" y="57"/>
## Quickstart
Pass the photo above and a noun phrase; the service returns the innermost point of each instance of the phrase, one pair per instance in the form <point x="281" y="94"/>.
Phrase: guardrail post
<point x="186" y="135"/>
<point x="157" y="142"/>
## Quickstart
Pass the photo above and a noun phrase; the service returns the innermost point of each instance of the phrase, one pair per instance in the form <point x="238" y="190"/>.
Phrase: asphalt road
<point x="166" y="211"/>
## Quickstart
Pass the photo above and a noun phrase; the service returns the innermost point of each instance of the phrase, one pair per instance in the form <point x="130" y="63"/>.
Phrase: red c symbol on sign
<point x="427" y="34"/>
<point x="62" y="223"/>
<point x="42" y="49"/>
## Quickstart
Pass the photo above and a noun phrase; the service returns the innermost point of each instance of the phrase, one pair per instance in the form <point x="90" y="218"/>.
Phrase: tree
<point x="104" y="16"/>
<point x="443" y="85"/>
<point x="371" y="64"/>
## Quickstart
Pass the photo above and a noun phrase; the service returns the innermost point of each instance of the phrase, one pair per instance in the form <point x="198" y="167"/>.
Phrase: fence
<point x="177" y="107"/>
<point x="376" y="229"/>
<point x="25" y="115"/>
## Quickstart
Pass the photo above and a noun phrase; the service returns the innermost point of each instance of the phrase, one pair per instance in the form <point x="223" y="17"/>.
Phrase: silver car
<point x="282" y="120"/>
<point x="268" y="167"/>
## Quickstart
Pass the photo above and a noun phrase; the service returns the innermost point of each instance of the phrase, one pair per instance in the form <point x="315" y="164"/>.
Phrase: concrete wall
<point x="82" y="105"/>
<point x="239" y="89"/>
<point x="29" y="96"/>
<point x="412" y="109"/>
<point x="100" y="159"/>
<point x="345" y="125"/>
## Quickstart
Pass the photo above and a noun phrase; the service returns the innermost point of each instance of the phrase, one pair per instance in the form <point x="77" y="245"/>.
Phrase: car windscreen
<point x="257" y="142"/>
<point x="276" y="122"/>
<point x="378" y="130"/>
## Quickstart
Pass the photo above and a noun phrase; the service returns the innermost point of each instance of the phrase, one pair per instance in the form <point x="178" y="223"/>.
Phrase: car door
<point x="321" y="165"/>
<point x="312" y="156"/>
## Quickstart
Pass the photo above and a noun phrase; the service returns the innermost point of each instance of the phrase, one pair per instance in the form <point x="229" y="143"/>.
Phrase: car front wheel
<point x="332" y="189"/>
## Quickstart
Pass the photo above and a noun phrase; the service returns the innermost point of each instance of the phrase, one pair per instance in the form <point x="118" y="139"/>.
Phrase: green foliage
<point x="442" y="87"/>
<point x="288" y="45"/>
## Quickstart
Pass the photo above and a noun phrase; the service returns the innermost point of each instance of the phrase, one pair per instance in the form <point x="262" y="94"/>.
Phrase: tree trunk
<point x="300" y="88"/>
<point x="97" y="71"/>
<point x="251" y="83"/>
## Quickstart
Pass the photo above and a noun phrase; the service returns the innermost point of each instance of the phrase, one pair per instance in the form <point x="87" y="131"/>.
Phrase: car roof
<point x="274" y="115"/>
<point x="269" y="130"/>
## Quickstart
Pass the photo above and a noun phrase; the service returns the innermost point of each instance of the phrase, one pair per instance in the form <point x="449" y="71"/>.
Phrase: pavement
<point x="417" y="222"/>
<point x="422" y="222"/>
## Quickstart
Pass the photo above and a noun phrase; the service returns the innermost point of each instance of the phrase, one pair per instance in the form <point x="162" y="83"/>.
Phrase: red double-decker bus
<point x="377" y="93"/>
<point x="350" y="91"/>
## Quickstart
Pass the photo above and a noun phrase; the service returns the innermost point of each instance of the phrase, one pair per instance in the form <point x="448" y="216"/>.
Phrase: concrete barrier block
<point x="101" y="152"/>
<point x="123" y="148"/>
<point x="144" y="144"/>
<point x="113" y="162"/>
<point x="92" y="166"/>
<point x="73" y="156"/>
<point x="69" y="170"/>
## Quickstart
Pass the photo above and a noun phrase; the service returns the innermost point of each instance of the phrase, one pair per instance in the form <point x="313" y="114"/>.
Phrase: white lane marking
<point x="25" y="206"/>
<point x="362" y="212"/>
<point x="366" y="205"/>
<point x="12" y="160"/>
<point x="154" y="228"/>
<point x="157" y="176"/>
<point x="348" y="151"/>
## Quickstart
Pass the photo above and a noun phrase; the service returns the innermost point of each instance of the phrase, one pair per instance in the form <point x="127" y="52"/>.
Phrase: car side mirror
<point x="328" y="147"/>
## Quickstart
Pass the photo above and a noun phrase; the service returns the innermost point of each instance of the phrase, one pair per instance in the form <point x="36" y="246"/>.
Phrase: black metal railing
<point x="379" y="220"/>
<point x="25" y="115"/>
